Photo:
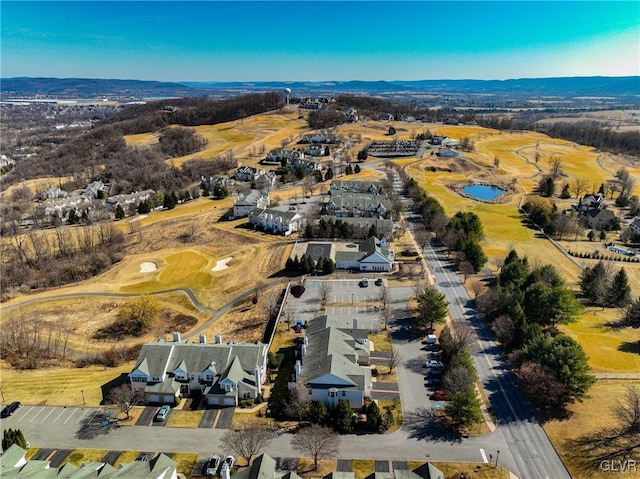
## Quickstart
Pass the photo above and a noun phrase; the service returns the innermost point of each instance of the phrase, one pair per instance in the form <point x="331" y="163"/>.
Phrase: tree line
<point x="582" y="132"/>
<point x="461" y="233"/>
<point x="42" y="260"/>
<point x="523" y="305"/>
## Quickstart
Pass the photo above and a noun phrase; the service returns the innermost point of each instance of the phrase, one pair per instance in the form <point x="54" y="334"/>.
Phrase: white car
<point x="434" y="363"/>
<point x="212" y="465"/>
<point x="229" y="461"/>
<point x="364" y="283"/>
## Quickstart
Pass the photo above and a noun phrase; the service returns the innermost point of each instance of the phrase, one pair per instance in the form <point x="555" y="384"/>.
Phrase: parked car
<point x="435" y="373"/>
<point x="434" y="382"/>
<point x="163" y="413"/>
<point x="379" y="282"/>
<point x="212" y="465"/>
<point x="434" y="363"/>
<point x="440" y="395"/>
<point x="229" y="461"/>
<point x="364" y="282"/>
<point x="9" y="409"/>
<point x="142" y="457"/>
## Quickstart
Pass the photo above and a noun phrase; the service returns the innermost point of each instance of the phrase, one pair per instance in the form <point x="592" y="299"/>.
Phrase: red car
<point x="440" y="395"/>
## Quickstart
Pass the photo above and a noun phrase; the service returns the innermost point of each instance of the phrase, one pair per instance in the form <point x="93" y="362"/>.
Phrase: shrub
<point x="274" y="360"/>
<point x="297" y="290"/>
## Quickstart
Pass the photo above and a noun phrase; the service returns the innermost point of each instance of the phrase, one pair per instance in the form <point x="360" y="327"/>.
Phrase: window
<point x="344" y="393"/>
<point x="138" y="379"/>
<point x="246" y="395"/>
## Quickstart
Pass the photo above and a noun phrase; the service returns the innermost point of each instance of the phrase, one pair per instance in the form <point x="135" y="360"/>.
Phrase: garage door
<point x="229" y="402"/>
<point x="168" y="399"/>
<point x="213" y="401"/>
<point x="154" y="398"/>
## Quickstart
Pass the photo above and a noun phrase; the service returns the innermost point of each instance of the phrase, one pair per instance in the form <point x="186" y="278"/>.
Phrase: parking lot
<point x="34" y="415"/>
<point x="347" y="300"/>
<point x="70" y="417"/>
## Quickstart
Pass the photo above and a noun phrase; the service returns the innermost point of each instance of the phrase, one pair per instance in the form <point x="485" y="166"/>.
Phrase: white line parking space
<point x="73" y="411"/>
<point x="47" y="415"/>
<point x="61" y="413"/>
<point x="40" y="411"/>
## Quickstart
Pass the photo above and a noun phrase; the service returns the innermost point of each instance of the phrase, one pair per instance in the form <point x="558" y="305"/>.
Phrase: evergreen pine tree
<point x="119" y="212"/>
<point x="357" y="169"/>
<point x="619" y="291"/>
<point x="343" y="417"/>
<point x="329" y="174"/>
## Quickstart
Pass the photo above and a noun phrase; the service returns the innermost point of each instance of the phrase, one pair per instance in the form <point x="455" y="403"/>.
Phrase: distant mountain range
<point x="566" y="87"/>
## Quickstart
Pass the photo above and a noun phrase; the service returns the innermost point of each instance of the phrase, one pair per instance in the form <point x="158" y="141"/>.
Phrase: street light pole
<point x="497" y="455"/>
<point x="82" y="392"/>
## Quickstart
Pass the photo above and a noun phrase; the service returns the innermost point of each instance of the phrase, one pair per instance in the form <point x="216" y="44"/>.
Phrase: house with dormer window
<point x="330" y="363"/>
<point x="342" y="204"/>
<point x="223" y="374"/>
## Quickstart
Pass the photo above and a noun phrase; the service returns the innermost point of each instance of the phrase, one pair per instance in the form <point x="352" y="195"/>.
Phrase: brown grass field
<point x="587" y="417"/>
<point x="503" y="225"/>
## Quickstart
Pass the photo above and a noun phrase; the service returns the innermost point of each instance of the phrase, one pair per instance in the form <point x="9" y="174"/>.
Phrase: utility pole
<point x="82" y="392"/>
<point x="497" y="455"/>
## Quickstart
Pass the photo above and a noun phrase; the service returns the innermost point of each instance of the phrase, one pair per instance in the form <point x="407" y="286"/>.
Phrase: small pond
<point x="483" y="192"/>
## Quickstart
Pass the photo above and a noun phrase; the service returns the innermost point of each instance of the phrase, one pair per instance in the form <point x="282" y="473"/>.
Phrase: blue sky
<point x="319" y="40"/>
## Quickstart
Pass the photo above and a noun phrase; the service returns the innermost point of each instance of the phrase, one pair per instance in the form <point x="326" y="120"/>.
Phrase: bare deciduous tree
<point x="126" y="397"/>
<point x="247" y="442"/>
<point x="299" y="401"/>
<point x="580" y="186"/>
<point x="457" y="379"/>
<point x="393" y="360"/>
<point x="317" y="441"/>
<point x="386" y="314"/>
<point x="270" y="301"/>
<point x="325" y="292"/>
<point x="555" y="165"/>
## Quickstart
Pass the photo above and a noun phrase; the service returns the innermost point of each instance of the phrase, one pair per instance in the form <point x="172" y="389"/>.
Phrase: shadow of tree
<point x="97" y="424"/>
<point x="423" y="424"/>
<point x="630" y="347"/>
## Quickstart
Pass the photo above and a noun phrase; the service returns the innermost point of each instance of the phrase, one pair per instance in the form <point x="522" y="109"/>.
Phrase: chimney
<point x="176" y="337"/>
<point x="355" y="323"/>
<point x="297" y="368"/>
<point x="305" y="340"/>
<point x="218" y="339"/>
<point x="257" y="376"/>
<point x="203" y="339"/>
<point x="303" y="351"/>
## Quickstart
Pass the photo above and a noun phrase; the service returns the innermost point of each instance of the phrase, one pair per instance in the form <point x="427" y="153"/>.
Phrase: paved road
<point x="533" y="453"/>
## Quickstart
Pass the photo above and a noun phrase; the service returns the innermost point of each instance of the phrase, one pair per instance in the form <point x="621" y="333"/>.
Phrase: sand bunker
<point x="222" y="264"/>
<point x="148" y="267"/>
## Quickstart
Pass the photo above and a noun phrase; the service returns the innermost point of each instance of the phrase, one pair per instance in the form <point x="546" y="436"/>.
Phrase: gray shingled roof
<point x="153" y="357"/>
<point x="331" y="351"/>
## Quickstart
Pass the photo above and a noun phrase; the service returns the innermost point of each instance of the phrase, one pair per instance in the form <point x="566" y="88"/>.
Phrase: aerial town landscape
<point x="272" y="271"/>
